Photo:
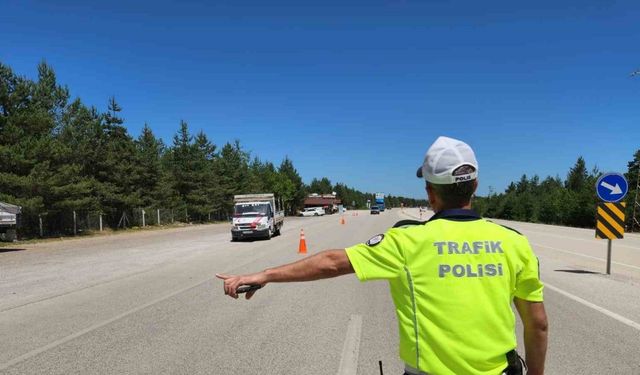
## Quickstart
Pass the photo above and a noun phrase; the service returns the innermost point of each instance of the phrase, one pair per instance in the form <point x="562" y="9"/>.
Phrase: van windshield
<point x="247" y="209"/>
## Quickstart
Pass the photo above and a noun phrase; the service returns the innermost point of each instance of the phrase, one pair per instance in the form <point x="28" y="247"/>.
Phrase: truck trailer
<point x="380" y="201"/>
<point x="9" y="215"/>
<point x="256" y="216"/>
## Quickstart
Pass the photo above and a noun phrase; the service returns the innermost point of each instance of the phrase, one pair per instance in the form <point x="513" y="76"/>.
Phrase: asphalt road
<point x="148" y="303"/>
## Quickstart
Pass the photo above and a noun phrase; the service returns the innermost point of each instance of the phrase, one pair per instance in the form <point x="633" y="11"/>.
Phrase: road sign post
<point x="610" y="225"/>
<point x="611" y="188"/>
<point x="609" y="257"/>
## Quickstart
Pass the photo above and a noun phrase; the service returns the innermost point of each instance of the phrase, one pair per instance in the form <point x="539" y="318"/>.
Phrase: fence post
<point x="158" y="211"/>
<point x="75" y="220"/>
<point x="100" y="221"/>
<point x="40" y="222"/>
<point x="143" y="223"/>
<point x="209" y="216"/>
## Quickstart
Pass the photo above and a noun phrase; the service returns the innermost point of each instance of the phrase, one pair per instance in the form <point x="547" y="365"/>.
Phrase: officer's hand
<point x="233" y="282"/>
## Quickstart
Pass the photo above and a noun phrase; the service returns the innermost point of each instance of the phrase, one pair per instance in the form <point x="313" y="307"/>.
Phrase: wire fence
<point x="82" y="222"/>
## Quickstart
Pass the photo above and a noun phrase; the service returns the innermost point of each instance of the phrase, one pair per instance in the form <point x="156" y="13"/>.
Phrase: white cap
<point x="445" y="156"/>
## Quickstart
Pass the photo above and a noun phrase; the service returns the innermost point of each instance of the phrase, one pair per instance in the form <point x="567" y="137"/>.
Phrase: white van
<point x="256" y="215"/>
<point x="312" y="211"/>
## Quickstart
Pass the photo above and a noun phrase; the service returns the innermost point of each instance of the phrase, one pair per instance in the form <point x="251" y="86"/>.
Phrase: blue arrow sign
<point x="612" y="187"/>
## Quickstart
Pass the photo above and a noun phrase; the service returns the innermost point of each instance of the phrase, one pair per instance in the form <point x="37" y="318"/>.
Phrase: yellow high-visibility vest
<point x="452" y="280"/>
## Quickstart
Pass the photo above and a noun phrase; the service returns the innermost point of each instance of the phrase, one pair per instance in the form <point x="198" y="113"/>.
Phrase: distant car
<point x="312" y="211"/>
<point x="375" y="210"/>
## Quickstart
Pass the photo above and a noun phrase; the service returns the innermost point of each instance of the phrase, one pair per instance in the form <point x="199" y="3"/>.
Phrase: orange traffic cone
<point x="342" y="220"/>
<point x="302" y="248"/>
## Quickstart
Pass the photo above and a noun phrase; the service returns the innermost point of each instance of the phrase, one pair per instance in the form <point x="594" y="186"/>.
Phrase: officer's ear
<point x="431" y="194"/>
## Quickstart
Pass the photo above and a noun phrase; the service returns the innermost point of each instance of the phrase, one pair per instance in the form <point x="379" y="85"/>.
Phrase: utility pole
<point x="636" y="203"/>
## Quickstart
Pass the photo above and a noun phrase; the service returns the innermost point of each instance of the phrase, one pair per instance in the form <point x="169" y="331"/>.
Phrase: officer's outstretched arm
<point x="534" y="320"/>
<point x="326" y="264"/>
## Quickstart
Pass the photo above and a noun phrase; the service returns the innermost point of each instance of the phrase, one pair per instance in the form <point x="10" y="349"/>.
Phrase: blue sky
<point x="356" y="91"/>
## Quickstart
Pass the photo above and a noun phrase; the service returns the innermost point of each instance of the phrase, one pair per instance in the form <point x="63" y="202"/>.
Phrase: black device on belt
<point x="515" y="363"/>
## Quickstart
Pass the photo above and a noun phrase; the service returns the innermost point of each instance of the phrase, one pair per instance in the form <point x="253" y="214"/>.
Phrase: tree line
<point x="59" y="156"/>
<point x="357" y="199"/>
<point x="571" y="201"/>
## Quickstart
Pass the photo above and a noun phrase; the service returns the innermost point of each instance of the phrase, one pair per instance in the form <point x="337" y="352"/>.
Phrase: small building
<point x="329" y="202"/>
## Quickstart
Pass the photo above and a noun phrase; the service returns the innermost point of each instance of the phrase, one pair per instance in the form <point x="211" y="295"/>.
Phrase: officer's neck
<point x="438" y="208"/>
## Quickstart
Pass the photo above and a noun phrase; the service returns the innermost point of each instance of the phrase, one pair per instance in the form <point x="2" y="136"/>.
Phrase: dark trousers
<point x="505" y="371"/>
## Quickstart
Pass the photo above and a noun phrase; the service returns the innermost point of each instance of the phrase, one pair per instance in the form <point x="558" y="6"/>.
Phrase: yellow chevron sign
<point x="610" y="220"/>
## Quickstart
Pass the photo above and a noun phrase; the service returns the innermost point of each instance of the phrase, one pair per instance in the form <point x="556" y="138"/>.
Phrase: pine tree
<point x="117" y="169"/>
<point x="290" y="186"/>
<point x="551" y="197"/>
<point x="29" y="111"/>
<point x="179" y="163"/>
<point x="633" y="175"/>
<point x="72" y="183"/>
<point x="321" y="186"/>
<point x="202" y="199"/>
<point x="577" y="176"/>
<point x="148" y="182"/>
<point x="262" y="178"/>
<point x="232" y="171"/>
<point x="256" y="182"/>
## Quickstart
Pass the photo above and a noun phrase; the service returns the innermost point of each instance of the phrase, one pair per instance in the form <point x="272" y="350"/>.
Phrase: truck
<point x="256" y="216"/>
<point x="380" y="201"/>
<point x="9" y="221"/>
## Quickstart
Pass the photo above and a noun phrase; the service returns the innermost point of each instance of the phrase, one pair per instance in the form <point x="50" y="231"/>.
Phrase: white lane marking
<point x="567" y="230"/>
<point x="570" y="252"/>
<point x="66" y="339"/>
<point x="584" y="255"/>
<point x="589" y="240"/>
<point x="609" y="313"/>
<point x="351" y="348"/>
<point x="552" y="234"/>
<point x="73" y="336"/>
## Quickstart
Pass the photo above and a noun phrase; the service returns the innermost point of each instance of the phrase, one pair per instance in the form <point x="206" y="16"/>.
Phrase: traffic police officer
<point x="452" y="279"/>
